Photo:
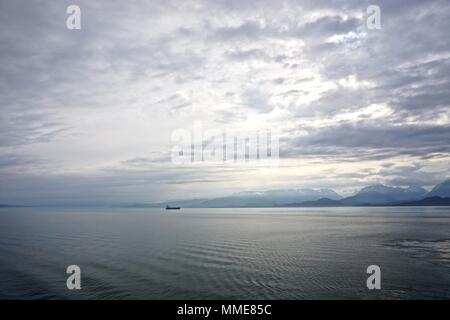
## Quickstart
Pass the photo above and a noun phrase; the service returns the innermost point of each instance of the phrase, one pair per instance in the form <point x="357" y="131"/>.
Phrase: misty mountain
<point x="431" y="201"/>
<point x="191" y="203"/>
<point x="323" y="202"/>
<point x="11" y="206"/>
<point x="441" y="190"/>
<point x="372" y="196"/>
<point x="270" y="198"/>
<point x="380" y="194"/>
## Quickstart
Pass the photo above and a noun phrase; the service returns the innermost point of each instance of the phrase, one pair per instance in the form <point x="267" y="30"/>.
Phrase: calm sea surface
<point x="320" y="253"/>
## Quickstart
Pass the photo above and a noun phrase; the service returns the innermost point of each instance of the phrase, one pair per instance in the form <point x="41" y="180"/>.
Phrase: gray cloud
<point x="369" y="139"/>
<point x="88" y="113"/>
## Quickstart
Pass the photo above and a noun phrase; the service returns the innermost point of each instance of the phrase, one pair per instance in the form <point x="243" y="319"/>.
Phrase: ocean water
<point x="293" y="253"/>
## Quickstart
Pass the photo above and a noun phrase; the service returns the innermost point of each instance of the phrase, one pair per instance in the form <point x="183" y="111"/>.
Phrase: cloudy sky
<point x="87" y="115"/>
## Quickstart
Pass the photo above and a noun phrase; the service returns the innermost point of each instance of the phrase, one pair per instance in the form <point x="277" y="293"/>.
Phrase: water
<point x="293" y="253"/>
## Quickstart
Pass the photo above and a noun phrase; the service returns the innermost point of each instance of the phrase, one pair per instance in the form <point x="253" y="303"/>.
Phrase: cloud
<point x="88" y="114"/>
<point x="254" y="99"/>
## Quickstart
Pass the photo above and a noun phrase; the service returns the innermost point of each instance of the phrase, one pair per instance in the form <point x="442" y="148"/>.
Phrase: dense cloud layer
<point x="87" y="115"/>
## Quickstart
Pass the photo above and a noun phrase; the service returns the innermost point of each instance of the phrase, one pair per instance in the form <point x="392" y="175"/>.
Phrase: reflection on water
<point x="433" y="251"/>
<point x="225" y="253"/>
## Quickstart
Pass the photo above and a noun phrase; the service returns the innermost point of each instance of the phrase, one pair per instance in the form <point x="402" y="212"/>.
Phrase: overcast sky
<point x="87" y="115"/>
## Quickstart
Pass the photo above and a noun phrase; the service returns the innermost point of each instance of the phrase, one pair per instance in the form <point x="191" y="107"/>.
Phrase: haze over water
<point x="295" y="253"/>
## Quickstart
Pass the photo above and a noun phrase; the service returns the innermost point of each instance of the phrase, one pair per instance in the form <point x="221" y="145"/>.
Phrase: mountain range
<point x="375" y="195"/>
<point x="270" y="198"/>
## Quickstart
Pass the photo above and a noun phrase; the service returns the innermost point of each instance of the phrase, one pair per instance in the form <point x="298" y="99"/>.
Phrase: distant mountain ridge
<point x="379" y="194"/>
<point x="323" y="202"/>
<point x="270" y="198"/>
<point x="441" y="190"/>
<point x="375" y="195"/>
<point x="11" y="206"/>
<point x="430" y="201"/>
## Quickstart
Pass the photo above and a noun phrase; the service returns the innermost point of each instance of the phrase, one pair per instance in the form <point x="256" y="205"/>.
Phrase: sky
<point x="87" y="116"/>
